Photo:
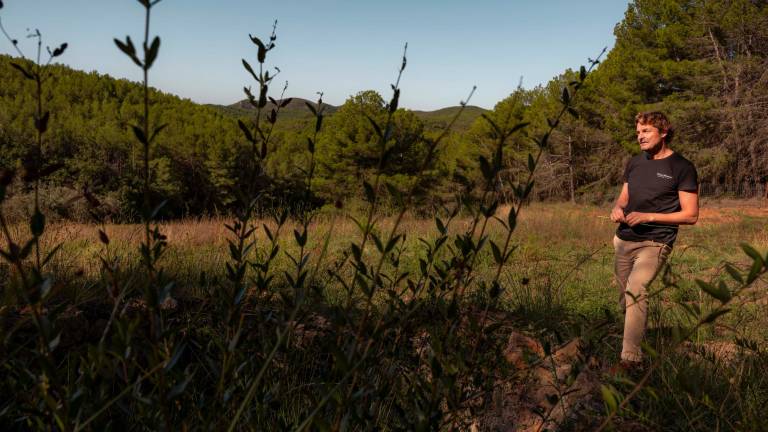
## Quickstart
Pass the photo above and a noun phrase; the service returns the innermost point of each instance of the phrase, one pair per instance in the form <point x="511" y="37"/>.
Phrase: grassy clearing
<point x="559" y="285"/>
<point x="555" y="240"/>
<point x="564" y="256"/>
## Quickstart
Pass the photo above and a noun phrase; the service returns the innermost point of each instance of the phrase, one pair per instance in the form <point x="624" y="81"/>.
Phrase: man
<point x="660" y="192"/>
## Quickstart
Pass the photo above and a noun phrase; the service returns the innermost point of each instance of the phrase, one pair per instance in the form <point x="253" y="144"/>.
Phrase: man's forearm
<point x="680" y="217"/>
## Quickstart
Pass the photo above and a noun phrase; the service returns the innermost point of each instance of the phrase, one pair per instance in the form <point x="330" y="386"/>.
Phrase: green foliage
<point x="352" y="147"/>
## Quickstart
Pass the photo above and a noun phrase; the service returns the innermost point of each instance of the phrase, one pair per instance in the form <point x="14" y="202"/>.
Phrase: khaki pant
<point x="637" y="264"/>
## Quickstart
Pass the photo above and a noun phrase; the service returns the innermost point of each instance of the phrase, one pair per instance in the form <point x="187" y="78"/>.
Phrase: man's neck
<point x="661" y="153"/>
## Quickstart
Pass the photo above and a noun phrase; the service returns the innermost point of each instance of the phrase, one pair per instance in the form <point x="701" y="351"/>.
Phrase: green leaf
<point x="377" y="242"/>
<point x="41" y="124"/>
<point x="714" y="315"/>
<point x="391" y="243"/>
<point x="248" y="67"/>
<point x="754" y="254"/>
<point x="103" y="237"/>
<point x="485" y="168"/>
<point x="129" y="49"/>
<point x="22" y="253"/>
<point x="375" y="125"/>
<point x="139" y="133"/>
<point x="517" y="127"/>
<point x="262" y="53"/>
<point x="511" y="219"/>
<point x="609" y="398"/>
<point x="246" y="131"/>
<point x="263" y="90"/>
<point x="527" y="191"/>
<point x="151" y="55"/>
<point x="60" y="50"/>
<point x="301" y="238"/>
<point x="573" y="112"/>
<point x="440" y="225"/>
<point x="496" y="253"/>
<point x="735" y="274"/>
<point x="721" y="293"/>
<point x="356" y="251"/>
<point x="531" y="163"/>
<point x="394" y="102"/>
<point x="370" y="195"/>
<point x="566" y="96"/>
<point x="582" y="73"/>
<point x="495" y="290"/>
<point x="157" y="131"/>
<point x="37" y="223"/>
<point x="754" y="271"/>
<point x="311" y="107"/>
<point x="493" y="125"/>
<point x="51" y="254"/>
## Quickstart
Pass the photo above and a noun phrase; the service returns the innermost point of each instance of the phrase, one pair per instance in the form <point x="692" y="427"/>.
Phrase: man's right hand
<point x="617" y="214"/>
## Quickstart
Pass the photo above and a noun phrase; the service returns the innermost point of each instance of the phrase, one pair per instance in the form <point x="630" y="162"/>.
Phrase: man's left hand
<point x="637" y="218"/>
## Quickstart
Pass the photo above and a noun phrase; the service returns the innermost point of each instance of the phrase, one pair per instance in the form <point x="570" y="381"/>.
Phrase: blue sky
<point x="336" y="46"/>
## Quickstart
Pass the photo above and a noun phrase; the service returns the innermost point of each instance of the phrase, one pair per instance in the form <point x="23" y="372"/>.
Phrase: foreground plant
<point x="31" y="286"/>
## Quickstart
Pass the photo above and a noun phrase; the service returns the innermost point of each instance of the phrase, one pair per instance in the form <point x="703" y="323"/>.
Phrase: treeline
<point x="703" y="62"/>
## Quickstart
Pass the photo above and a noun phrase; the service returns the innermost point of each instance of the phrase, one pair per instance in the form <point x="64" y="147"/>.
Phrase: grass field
<point x="564" y="251"/>
<point x="557" y="286"/>
<point x="564" y="255"/>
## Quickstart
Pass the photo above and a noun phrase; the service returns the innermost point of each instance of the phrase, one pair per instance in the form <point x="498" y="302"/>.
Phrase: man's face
<point x="649" y="137"/>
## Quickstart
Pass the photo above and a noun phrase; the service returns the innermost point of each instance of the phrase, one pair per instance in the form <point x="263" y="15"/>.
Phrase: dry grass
<point x="563" y="254"/>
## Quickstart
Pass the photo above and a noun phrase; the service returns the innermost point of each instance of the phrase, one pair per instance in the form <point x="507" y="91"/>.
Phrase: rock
<point x="550" y="391"/>
<point x="522" y="350"/>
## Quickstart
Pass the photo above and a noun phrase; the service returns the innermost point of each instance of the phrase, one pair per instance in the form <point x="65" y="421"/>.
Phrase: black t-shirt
<point x="653" y="188"/>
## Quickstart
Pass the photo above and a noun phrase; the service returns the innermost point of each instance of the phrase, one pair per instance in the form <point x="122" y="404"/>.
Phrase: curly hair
<point x="658" y="120"/>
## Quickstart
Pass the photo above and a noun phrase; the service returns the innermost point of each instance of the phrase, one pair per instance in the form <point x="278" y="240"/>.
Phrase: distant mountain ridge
<point x="297" y="110"/>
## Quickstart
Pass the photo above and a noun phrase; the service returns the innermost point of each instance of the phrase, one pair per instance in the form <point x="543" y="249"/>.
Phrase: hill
<point x="294" y="111"/>
<point x="439" y="119"/>
<point x="297" y="111"/>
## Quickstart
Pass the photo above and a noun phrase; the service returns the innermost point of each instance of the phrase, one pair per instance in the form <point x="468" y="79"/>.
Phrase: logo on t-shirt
<point x="664" y="176"/>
